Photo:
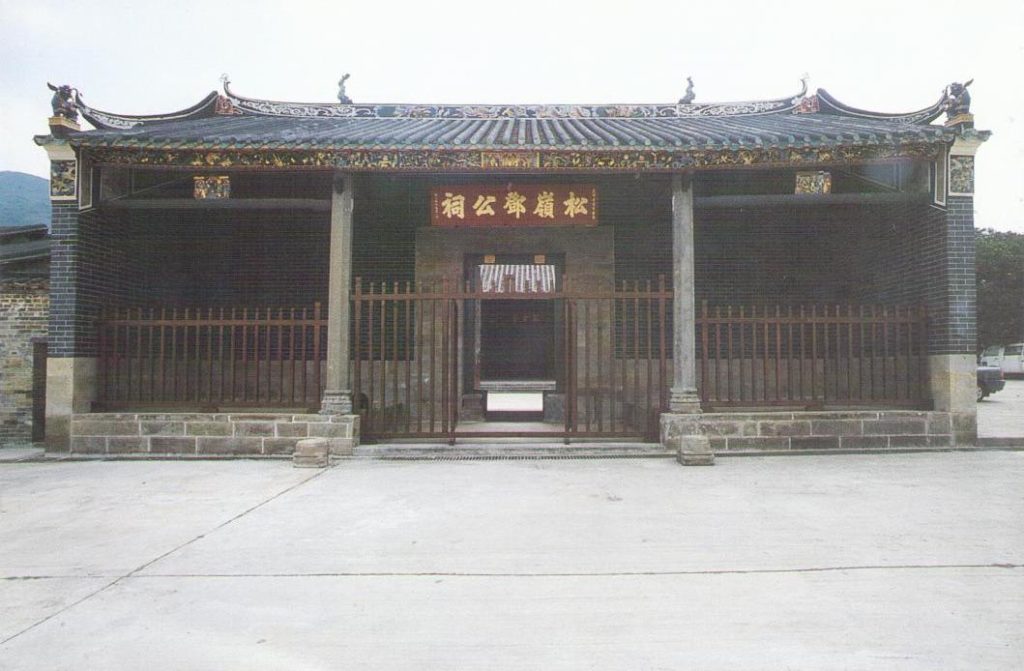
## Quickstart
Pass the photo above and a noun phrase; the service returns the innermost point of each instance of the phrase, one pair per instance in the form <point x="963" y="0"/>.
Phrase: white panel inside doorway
<point x="498" y="401"/>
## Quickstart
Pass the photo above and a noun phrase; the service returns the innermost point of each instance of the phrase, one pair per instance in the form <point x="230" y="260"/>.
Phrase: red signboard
<point x="476" y="205"/>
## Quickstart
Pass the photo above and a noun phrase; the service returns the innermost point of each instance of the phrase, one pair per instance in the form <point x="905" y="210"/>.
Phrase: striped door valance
<point x="499" y="278"/>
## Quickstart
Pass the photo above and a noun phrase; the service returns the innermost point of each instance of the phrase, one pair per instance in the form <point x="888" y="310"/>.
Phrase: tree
<point x="1000" y="277"/>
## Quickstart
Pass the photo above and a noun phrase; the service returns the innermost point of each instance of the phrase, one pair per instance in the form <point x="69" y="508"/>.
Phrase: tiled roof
<point x="770" y="130"/>
<point x="233" y="122"/>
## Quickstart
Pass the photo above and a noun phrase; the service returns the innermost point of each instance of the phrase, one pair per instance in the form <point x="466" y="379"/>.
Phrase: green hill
<point x="24" y="199"/>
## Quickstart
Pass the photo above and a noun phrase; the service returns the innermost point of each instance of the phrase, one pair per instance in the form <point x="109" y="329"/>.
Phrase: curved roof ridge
<point x="206" y="107"/>
<point x="278" y="108"/>
<point x="827" y="104"/>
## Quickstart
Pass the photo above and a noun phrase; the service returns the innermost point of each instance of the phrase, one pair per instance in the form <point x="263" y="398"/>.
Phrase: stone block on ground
<point x="683" y="434"/>
<point x="311" y="453"/>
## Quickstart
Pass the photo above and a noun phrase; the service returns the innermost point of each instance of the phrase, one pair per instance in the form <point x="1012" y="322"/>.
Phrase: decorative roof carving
<point x="68" y="102"/>
<point x="533" y="161"/>
<point x="683" y="126"/>
<point x="689" y="95"/>
<point x="955" y="99"/>
<point x="342" y="96"/>
<point x="808" y="105"/>
<point x="416" y="111"/>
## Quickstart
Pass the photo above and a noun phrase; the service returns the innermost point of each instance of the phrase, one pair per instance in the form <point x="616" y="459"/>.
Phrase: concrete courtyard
<point x="896" y="561"/>
<point x="1001" y="416"/>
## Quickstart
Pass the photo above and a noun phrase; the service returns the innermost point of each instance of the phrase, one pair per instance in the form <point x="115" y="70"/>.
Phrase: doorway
<point x="517" y="340"/>
<point x="511" y="332"/>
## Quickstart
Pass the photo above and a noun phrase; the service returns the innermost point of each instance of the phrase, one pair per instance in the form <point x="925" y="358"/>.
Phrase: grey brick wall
<point x="954" y="328"/>
<point x="225" y="259"/>
<point x="935" y="263"/>
<point x="84" y="260"/>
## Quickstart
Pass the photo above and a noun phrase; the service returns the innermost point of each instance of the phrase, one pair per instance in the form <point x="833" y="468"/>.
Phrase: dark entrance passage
<point x="516" y="360"/>
<point x="39" y="350"/>
<point x="517" y="340"/>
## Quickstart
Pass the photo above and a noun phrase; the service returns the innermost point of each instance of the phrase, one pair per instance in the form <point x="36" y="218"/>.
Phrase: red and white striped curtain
<point x="499" y="278"/>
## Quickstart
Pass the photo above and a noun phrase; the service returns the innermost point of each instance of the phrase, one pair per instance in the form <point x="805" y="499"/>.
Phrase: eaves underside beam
<point x="705" y="202"/>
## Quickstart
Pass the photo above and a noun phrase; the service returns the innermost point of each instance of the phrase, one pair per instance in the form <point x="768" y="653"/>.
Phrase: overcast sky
<point x="142" y="57"/>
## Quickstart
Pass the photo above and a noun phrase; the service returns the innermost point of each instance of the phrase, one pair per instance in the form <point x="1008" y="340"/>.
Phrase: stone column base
<point x="684" y="401"/>
<point x="965" y="428"/>
<point x="954" y="383"/>
<point x="336" y="402"/>
<point x="70" y="389"/>
<point x="684" y="434"/>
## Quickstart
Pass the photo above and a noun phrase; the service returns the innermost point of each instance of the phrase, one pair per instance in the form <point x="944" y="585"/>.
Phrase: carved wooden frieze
<point x="63" y="180"/>
<point x="210" y="187"/>
<point x="817" y="181"/>
<point x="961" y="175"/>
<point x="419" y="160"/>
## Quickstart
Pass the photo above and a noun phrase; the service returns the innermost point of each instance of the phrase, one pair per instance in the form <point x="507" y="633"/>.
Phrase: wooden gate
<point x="416" y="370"/>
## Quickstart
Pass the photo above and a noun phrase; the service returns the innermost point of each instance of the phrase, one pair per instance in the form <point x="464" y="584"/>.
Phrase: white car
<point x="1008" y="358"/>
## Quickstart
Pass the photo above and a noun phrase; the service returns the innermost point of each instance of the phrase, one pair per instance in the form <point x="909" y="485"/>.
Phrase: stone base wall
<point x="208" y="433"/>
<point x="277" y="433"/>
<point x="827" y="430"/>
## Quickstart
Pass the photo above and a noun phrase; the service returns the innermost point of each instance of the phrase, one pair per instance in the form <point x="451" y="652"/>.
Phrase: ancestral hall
<point x="776" y="274"/>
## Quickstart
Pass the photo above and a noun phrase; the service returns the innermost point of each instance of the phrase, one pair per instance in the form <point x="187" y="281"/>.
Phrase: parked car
<point x="1008" y="358"/>
<point x="990" y="380"/>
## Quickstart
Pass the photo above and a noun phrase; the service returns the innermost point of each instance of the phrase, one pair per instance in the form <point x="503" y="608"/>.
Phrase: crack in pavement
<point x="132" y="573"/>
<point x="539" y="574"/>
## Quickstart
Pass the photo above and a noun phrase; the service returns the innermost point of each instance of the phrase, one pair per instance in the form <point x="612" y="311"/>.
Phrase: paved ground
<point x="1001" y="415"/>
<point x="912" y="561"/>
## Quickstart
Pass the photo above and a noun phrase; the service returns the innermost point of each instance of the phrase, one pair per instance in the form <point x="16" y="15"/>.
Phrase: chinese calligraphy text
<point x="476" y="205"/>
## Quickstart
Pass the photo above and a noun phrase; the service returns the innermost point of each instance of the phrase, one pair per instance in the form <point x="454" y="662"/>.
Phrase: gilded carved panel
<point x="961" y="175"/>
<point x="63" y="179"/>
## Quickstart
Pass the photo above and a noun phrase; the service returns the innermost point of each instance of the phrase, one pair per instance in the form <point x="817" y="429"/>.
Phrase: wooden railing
<point x="812" y="356"/>
<point x="615" y="356"/>
<point x="213" y="357"/>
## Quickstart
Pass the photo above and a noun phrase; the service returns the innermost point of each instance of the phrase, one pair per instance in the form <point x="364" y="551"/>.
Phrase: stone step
<point x="21" y="453"/>
<point x="499" y="450"/>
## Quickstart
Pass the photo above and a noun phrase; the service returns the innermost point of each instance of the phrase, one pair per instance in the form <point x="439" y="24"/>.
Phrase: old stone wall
<point x="839" y="430"/>
<point x="242" y="434"/>
<point x="24" y="309"/>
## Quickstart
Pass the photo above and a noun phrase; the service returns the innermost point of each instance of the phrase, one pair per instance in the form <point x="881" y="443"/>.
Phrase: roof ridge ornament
<point x="957" y="105"/>
<point x="806" y="104"/>
<point x="957" y="98"/>
<point x="689" y="95"/>
<point x="63" y="101"/>
<point x="342" y="96"/>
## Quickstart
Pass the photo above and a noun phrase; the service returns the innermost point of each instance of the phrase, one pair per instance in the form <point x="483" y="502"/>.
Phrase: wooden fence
<point x="411" y="353"/>
<point x="224" y="357"/>
<point x="812" y="356"/>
